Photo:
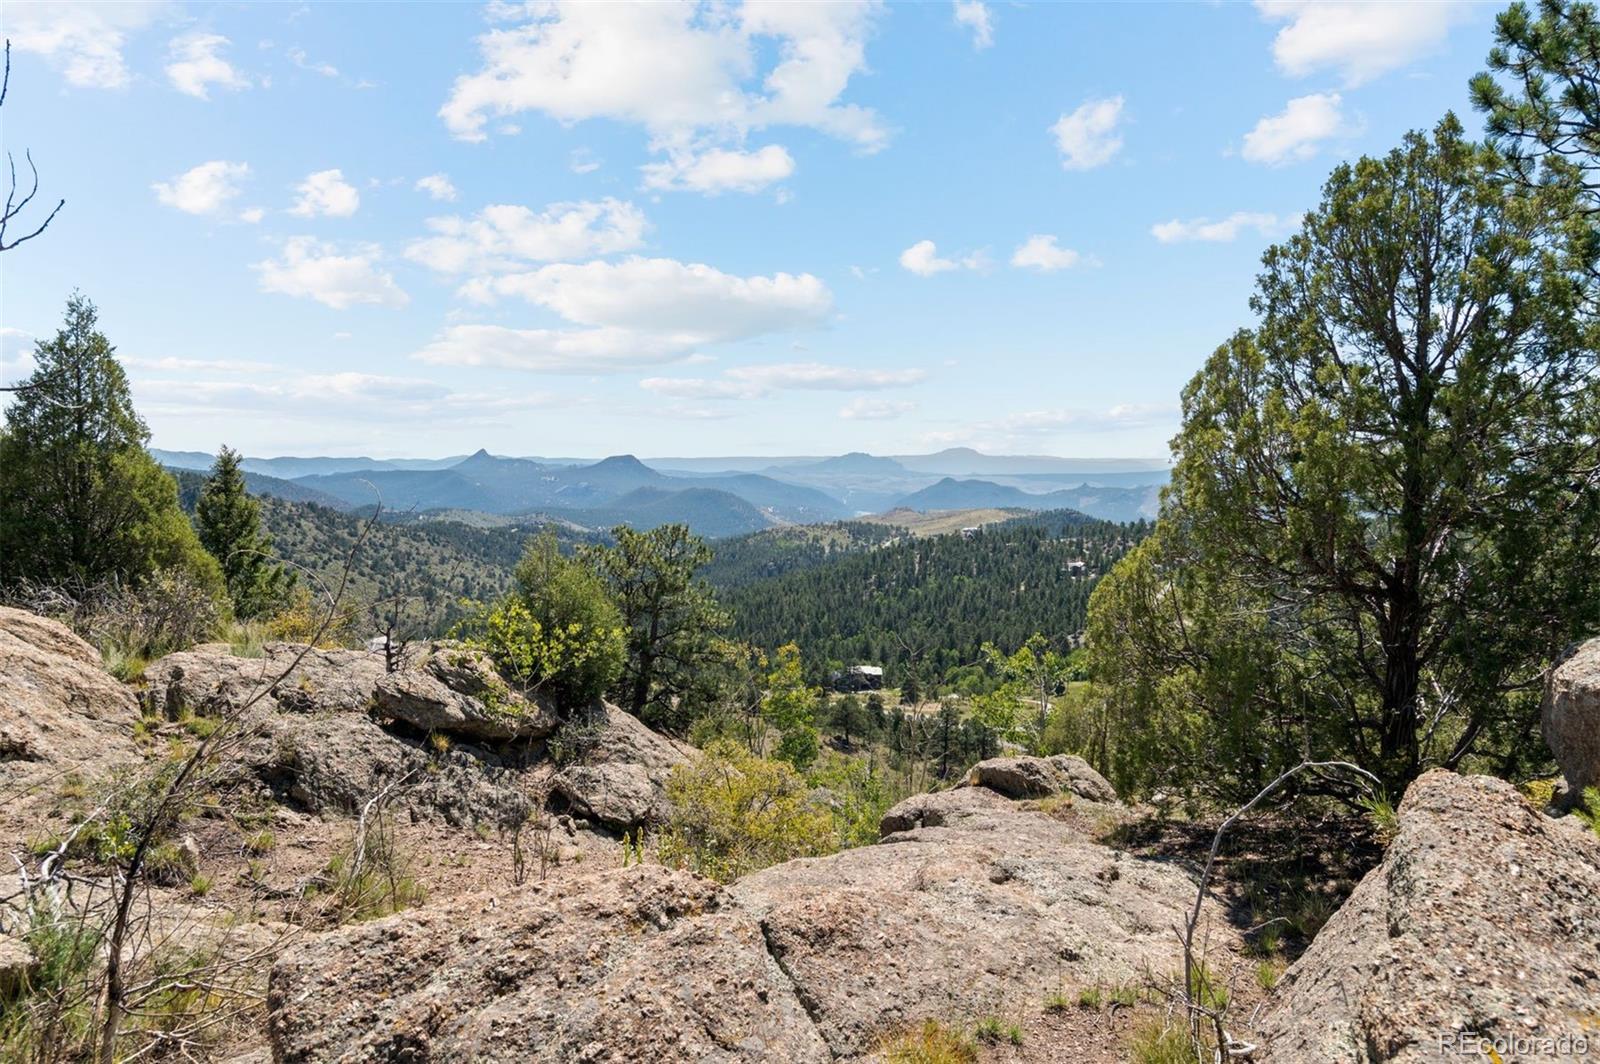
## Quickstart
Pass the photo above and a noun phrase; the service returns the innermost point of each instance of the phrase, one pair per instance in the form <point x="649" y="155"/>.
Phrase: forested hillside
<point x="434" y="563"/>
<point x="933" y="601"/>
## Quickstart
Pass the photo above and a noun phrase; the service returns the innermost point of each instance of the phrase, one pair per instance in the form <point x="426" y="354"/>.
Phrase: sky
<point x="678" y="229"/>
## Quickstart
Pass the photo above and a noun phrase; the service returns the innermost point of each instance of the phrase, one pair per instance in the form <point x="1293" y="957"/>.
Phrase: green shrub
<point x="572" y="663"/>
<point x="734" y="812"/>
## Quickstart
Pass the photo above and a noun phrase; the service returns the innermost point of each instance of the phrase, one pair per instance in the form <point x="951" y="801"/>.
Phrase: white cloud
<point x="694" y="76"/>
<point x="326" y="192"/>
<point x="1040" y="252"/>
<point x="923" y="259"/>
<point x="173" y="364"/>
<point x="438" y="186"/>
<point x="1361" y="39"/>
<point x="1027" y="428"/>
<point x="313" y="269"/>
<point x="974" y="14"/>
<point x="1297" y="132"/>
<point x="865" y="409"/>
<point x="252" y="215"/>
<point x="507" y="236"/>
<point x="684" y="303"/>
<point x="207" y="189"/>
<point x="195" y="64"/>
<point x="346" y="396"/>
<point x="720" y="170"/>
<point x="583" y="161"/>
<point x="297" y="56"/>
<point x="16" y="355"/>
<point x="1219" y="232"/>
<point x="83" y="40"/>
<point x="634" y="313"/>
<point x="816" y="376"/>
<point x="755" y="382"/>
<point x="548" y="350"/>
<point x="1088" y="137"/>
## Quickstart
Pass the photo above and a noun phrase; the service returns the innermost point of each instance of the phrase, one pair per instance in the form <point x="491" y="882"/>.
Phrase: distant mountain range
<point x="715" y="497"/>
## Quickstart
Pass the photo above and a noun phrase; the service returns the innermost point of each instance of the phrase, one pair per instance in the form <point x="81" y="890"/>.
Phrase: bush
<point x="172" y="610"/>
<point x="734" y="813"/>
<point x="572" y="664"/>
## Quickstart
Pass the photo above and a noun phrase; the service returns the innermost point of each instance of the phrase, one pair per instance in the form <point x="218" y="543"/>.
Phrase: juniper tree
<point x="81" y="500"/>
<point x="228" y="520"/>
<point x="1384" y="515"/>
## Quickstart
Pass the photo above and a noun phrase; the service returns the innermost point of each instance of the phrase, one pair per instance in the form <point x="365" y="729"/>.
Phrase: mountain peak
<point x="619" y="462"/>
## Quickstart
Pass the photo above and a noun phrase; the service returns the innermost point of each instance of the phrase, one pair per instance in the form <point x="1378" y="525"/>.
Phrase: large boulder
<point x="210" y="680"/>
<point x="59" y="709"/>
<point x="639" y="964"/>
<point x="335" y="763"/>
<point x="1481" y="923"/>
<point x="978" y="911"/>
<point x="1571" y="716"/>
<point x="457" y="690"/>
<point x="812" y="960"/>
<point x="622" y="769"/>
<point x="1040" y="777"/>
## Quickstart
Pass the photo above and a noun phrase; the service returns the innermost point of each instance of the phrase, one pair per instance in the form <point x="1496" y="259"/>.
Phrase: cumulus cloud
<point x="195" y="63"/>
<point x="865" y="409"/>
<point x="1178" y="231"/>
<point x="1088" y="137"/>
<point x="507" y="236"/>
<point x="207" y="189"/>
<point x="974" y="15"/>
<point x="924" y="260"/>
<point x="339" y="278"/>
<point x="82" y="40"/>
<point x="695" y="77"/>
<point x="1040" y="252"/>
<point x="1360" y="39"/>
<point x="627" y="314"/>
<point x="1298" y="131"/>
<point x="686" y="303"/>
<point x="548" y="350"/>
<point x="326" y="192"/>
<point x="438" y="186"/>
<point x="720" y="170"/>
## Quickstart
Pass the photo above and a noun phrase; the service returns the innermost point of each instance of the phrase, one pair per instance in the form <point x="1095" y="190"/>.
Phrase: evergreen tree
<point x="229" y="523"/>
<point x="1383" y="520"/>
<point x="669" y="616"/>
<point x="81" y="501"/>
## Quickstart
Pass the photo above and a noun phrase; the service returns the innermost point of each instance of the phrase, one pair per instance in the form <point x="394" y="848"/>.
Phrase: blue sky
<point x="725" y="229"/>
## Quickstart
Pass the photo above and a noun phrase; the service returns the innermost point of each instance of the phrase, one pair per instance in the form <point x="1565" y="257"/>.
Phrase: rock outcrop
<point x="456" y="690"/>
<point x="1038" y="777"/>
<point x="1571" y="717"/>
<point x="621" y="780"/>
<point x="60" y="710"/>
<point x="210" y="679"/>
<point x="973" y="904"/>
<point x="640" y="964"/>
<point x="1482" y="922"/>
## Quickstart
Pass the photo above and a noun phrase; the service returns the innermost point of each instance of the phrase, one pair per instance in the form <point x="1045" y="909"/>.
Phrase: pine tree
<point x="82" y="503"/>
<point x="229" y="523"/>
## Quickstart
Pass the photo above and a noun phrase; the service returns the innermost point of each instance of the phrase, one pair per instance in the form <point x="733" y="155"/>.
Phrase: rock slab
<point x="1483" y="921"/>
<point x="1571" y="717"/>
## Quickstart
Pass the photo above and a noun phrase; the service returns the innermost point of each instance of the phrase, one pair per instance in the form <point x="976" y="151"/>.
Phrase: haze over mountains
<point x="714" y="496"/>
